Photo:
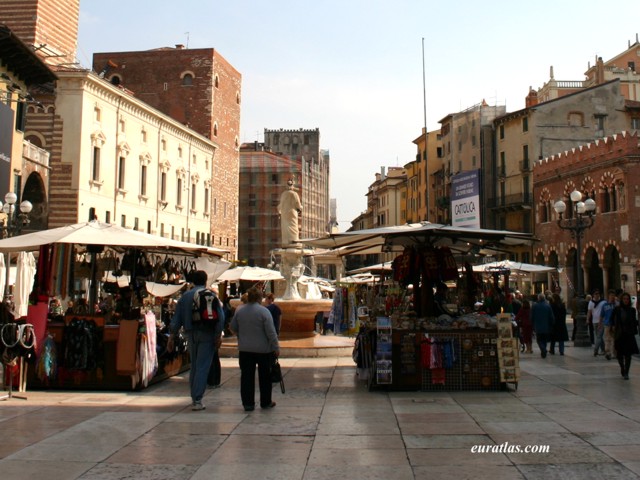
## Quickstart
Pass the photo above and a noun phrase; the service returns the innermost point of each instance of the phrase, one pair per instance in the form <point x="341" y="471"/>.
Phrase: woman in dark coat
<point x="624" y="321"/>
<point x="559" y="333"/>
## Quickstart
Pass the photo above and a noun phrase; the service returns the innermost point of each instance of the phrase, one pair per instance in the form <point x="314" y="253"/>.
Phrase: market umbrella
<point x="395" y="238"/>
<point x="378" y="269"/>
<point x="516" y="267"/>
<point x="254" y="274"/>
<point x="26" y="270"/>
<point x="3" y="275"/>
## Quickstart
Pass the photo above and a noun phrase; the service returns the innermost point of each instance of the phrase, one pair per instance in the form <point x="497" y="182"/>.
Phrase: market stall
<point x="118" y="280"/>
<point x="422" y="332"/>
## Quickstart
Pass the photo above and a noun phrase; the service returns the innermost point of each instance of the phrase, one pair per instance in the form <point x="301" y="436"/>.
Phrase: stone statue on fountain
<point x="291" y="266"/>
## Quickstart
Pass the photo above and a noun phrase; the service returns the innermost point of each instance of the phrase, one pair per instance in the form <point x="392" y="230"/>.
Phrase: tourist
<point x="625" y="327"/>
<point x="275" y="311"/>
<point x="607" y="311"/>
<point x="594" y="321"/>
<point x="559" y="333"/>
<point x="257" y="345"/>
<point x="523" y="319"/>
<point x="542" y="321"/>
<point x="203" y="338"/>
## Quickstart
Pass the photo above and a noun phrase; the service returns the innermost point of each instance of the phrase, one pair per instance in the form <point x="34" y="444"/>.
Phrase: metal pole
<point x="582" y="334"/>
<point x="426" y="135"/>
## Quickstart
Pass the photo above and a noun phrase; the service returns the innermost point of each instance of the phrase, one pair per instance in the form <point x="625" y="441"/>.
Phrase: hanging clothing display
<point x="47" y="367"/>
<point x="82" y="345"/>
<point x="148" y="353"/>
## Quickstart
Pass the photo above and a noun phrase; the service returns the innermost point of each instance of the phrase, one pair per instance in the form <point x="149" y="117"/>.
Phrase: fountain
<point x="298" y="314"/>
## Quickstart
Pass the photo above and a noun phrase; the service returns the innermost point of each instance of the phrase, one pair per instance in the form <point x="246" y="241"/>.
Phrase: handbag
<point x="276" y="373"/>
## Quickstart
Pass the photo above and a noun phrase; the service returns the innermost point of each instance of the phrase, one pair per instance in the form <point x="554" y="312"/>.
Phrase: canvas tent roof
<point x="98" y="233"/>
<point x="395" y="238"/>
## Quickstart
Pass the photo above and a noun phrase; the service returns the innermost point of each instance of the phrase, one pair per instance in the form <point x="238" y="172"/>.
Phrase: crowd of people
<point x="612" y="324"/>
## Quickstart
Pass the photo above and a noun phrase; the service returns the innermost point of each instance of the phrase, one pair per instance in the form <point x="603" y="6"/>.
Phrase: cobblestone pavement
<point x="328" y="426"/>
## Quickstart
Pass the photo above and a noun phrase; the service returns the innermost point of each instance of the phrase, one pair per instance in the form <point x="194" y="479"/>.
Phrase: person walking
<point x="523" y="319"/>
<point x="559" y="333"/>
<point x="625" y="328"/>
<point x="594" y="322"/>
<point x="257" y="345"/>
<point x="607" y="312"/>
<point x="275" y="311"/>
<point x="214" y="378"/>
<point x="203" y="337"/>
<point x="542" y="321"/>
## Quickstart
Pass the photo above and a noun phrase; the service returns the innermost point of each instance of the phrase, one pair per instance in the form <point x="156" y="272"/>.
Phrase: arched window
<point x="606" y="200"/>
<point x="215" y="129"/>
<point x="187" y="80"/>
<point x="620" y="196"/>
<point x="216" y="81"/>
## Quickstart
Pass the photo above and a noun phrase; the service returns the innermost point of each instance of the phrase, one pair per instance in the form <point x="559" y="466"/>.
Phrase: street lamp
<point x="581" y="220"/>
<point x="13" y="226"/>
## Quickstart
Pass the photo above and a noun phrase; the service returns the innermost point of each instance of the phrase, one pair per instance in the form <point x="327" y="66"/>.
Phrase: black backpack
<point x="205" y="307"/>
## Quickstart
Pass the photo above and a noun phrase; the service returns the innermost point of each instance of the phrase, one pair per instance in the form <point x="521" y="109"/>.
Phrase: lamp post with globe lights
<point x="582" y="219"/>
<point x="15" y="220"/>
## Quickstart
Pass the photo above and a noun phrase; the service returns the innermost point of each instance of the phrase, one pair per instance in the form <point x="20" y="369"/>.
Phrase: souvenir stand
<point x="428" y="337"/>
<point x="114" y="336"/>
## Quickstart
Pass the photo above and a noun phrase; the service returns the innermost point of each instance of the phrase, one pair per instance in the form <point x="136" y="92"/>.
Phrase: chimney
<point x="532" y="98"/>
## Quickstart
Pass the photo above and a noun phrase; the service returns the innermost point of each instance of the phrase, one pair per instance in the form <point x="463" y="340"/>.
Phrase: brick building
<point x="24" y="167"/>
<point x="201" y="90"/>
<point x="303" y="147"/>
<point x="263" y="178"/>
<point x="607" y="170"/>
<point x="50" y="27"/>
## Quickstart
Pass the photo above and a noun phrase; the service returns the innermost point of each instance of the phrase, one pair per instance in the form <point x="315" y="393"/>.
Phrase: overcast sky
<point x="354" y="68"/>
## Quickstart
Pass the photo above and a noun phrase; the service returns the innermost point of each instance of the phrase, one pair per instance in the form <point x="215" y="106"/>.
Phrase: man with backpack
<point x="198" y="311"/>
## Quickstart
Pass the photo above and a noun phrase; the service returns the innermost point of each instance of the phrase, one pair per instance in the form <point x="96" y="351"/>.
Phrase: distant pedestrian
<point x="625" y="327"/>
<point x="523" y="319"/>
<point x="607" y="311"/>
<point x="542" y="320"/>
<point x="257" y="345"/>
<point x="594" y="322"/>
<point x="559" y="333"/>
<point x="275" y="311"/>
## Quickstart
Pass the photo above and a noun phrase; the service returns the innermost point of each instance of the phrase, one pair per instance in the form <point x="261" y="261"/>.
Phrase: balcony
<point x="525" y="165"/>
<point x="517" y="201"/>
<point x="35" y="154"/>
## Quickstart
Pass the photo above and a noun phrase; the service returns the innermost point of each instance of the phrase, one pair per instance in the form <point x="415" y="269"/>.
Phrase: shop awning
<point x="98" y="233"/>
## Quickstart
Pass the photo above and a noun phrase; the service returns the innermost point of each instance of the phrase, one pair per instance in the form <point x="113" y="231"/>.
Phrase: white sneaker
<point x="197" y="406"/>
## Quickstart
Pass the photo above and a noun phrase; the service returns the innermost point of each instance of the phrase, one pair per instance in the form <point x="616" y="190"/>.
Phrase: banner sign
<point x="6" y="145"/>
<point x="465" y="199"/>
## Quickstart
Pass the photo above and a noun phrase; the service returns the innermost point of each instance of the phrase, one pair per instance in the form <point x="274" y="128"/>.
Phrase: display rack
<point x="508" y="351"/>
<point x="384" y="351"/>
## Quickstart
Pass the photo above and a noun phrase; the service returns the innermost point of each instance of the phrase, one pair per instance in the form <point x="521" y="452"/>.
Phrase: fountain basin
<point x="298" y="316"/>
